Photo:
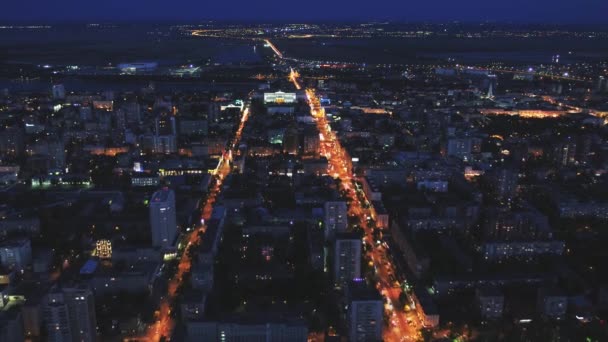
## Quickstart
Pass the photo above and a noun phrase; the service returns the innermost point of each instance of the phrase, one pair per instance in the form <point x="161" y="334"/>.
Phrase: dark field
<point x="467" y="50"/>
<point x="95" y="47"/>
<point x="111" y="45"/>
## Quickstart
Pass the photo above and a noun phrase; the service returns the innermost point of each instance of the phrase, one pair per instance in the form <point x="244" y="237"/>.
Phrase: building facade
<point x="163" y="218"/>
<point x="347" y="258"/>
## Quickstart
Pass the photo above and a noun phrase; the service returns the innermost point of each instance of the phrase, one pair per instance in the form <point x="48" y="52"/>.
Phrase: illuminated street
<point x="165" y="323"/>
<point x="274" y="48"/>
<point x="339" y="167"/>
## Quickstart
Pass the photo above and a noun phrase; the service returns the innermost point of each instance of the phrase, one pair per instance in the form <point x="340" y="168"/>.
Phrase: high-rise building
<point x="602" y="84"/>
<point x="120" y="120"/>
<point x="213" y="112"/>
<point x="165" y="144"/>
<point x="504" y="182"/>
<point x="364" y="312"/>
<point x="336" y="219"/>
<point x="69" y="314"/>
<point x="163" y="219"/>
<point x="81" y="308"/>
<point x="565" y="152"/>
<point x="57" y="319"/>
<point x="58" y="92"/>
<point x="159" y="144"/>
<point x="347" y="258"/>
<point x="132" y="112"/>
<point x="165" y="125"/>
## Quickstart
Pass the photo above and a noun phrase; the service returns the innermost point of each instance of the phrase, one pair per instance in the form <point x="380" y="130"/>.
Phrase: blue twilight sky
<point x="528" y="11"/>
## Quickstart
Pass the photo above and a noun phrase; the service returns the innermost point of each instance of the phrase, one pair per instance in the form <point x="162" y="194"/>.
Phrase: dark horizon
<point x="169" y="21"/>
<point x="585" y="13"/>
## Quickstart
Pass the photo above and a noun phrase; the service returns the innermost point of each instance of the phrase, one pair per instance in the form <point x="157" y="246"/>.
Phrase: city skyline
<point x="303" y="182"/>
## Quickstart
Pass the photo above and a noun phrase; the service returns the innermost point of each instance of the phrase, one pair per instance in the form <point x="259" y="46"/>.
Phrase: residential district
<point x="322" y="201"/>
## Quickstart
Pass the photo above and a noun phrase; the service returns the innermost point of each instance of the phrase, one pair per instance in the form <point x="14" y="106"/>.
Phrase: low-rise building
<point x="552" y="303"/>
<point x="491" y="302"/>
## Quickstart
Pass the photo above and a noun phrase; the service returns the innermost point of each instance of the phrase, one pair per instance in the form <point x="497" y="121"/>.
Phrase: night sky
<point x="527" y="11"/>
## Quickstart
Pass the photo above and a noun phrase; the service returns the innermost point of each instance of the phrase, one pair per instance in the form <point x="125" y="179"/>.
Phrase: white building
<point x="280" y="97"/>
<point x="133" y="68"/>
<point x="143" y="180"/>
<point x="163" y="219"/>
